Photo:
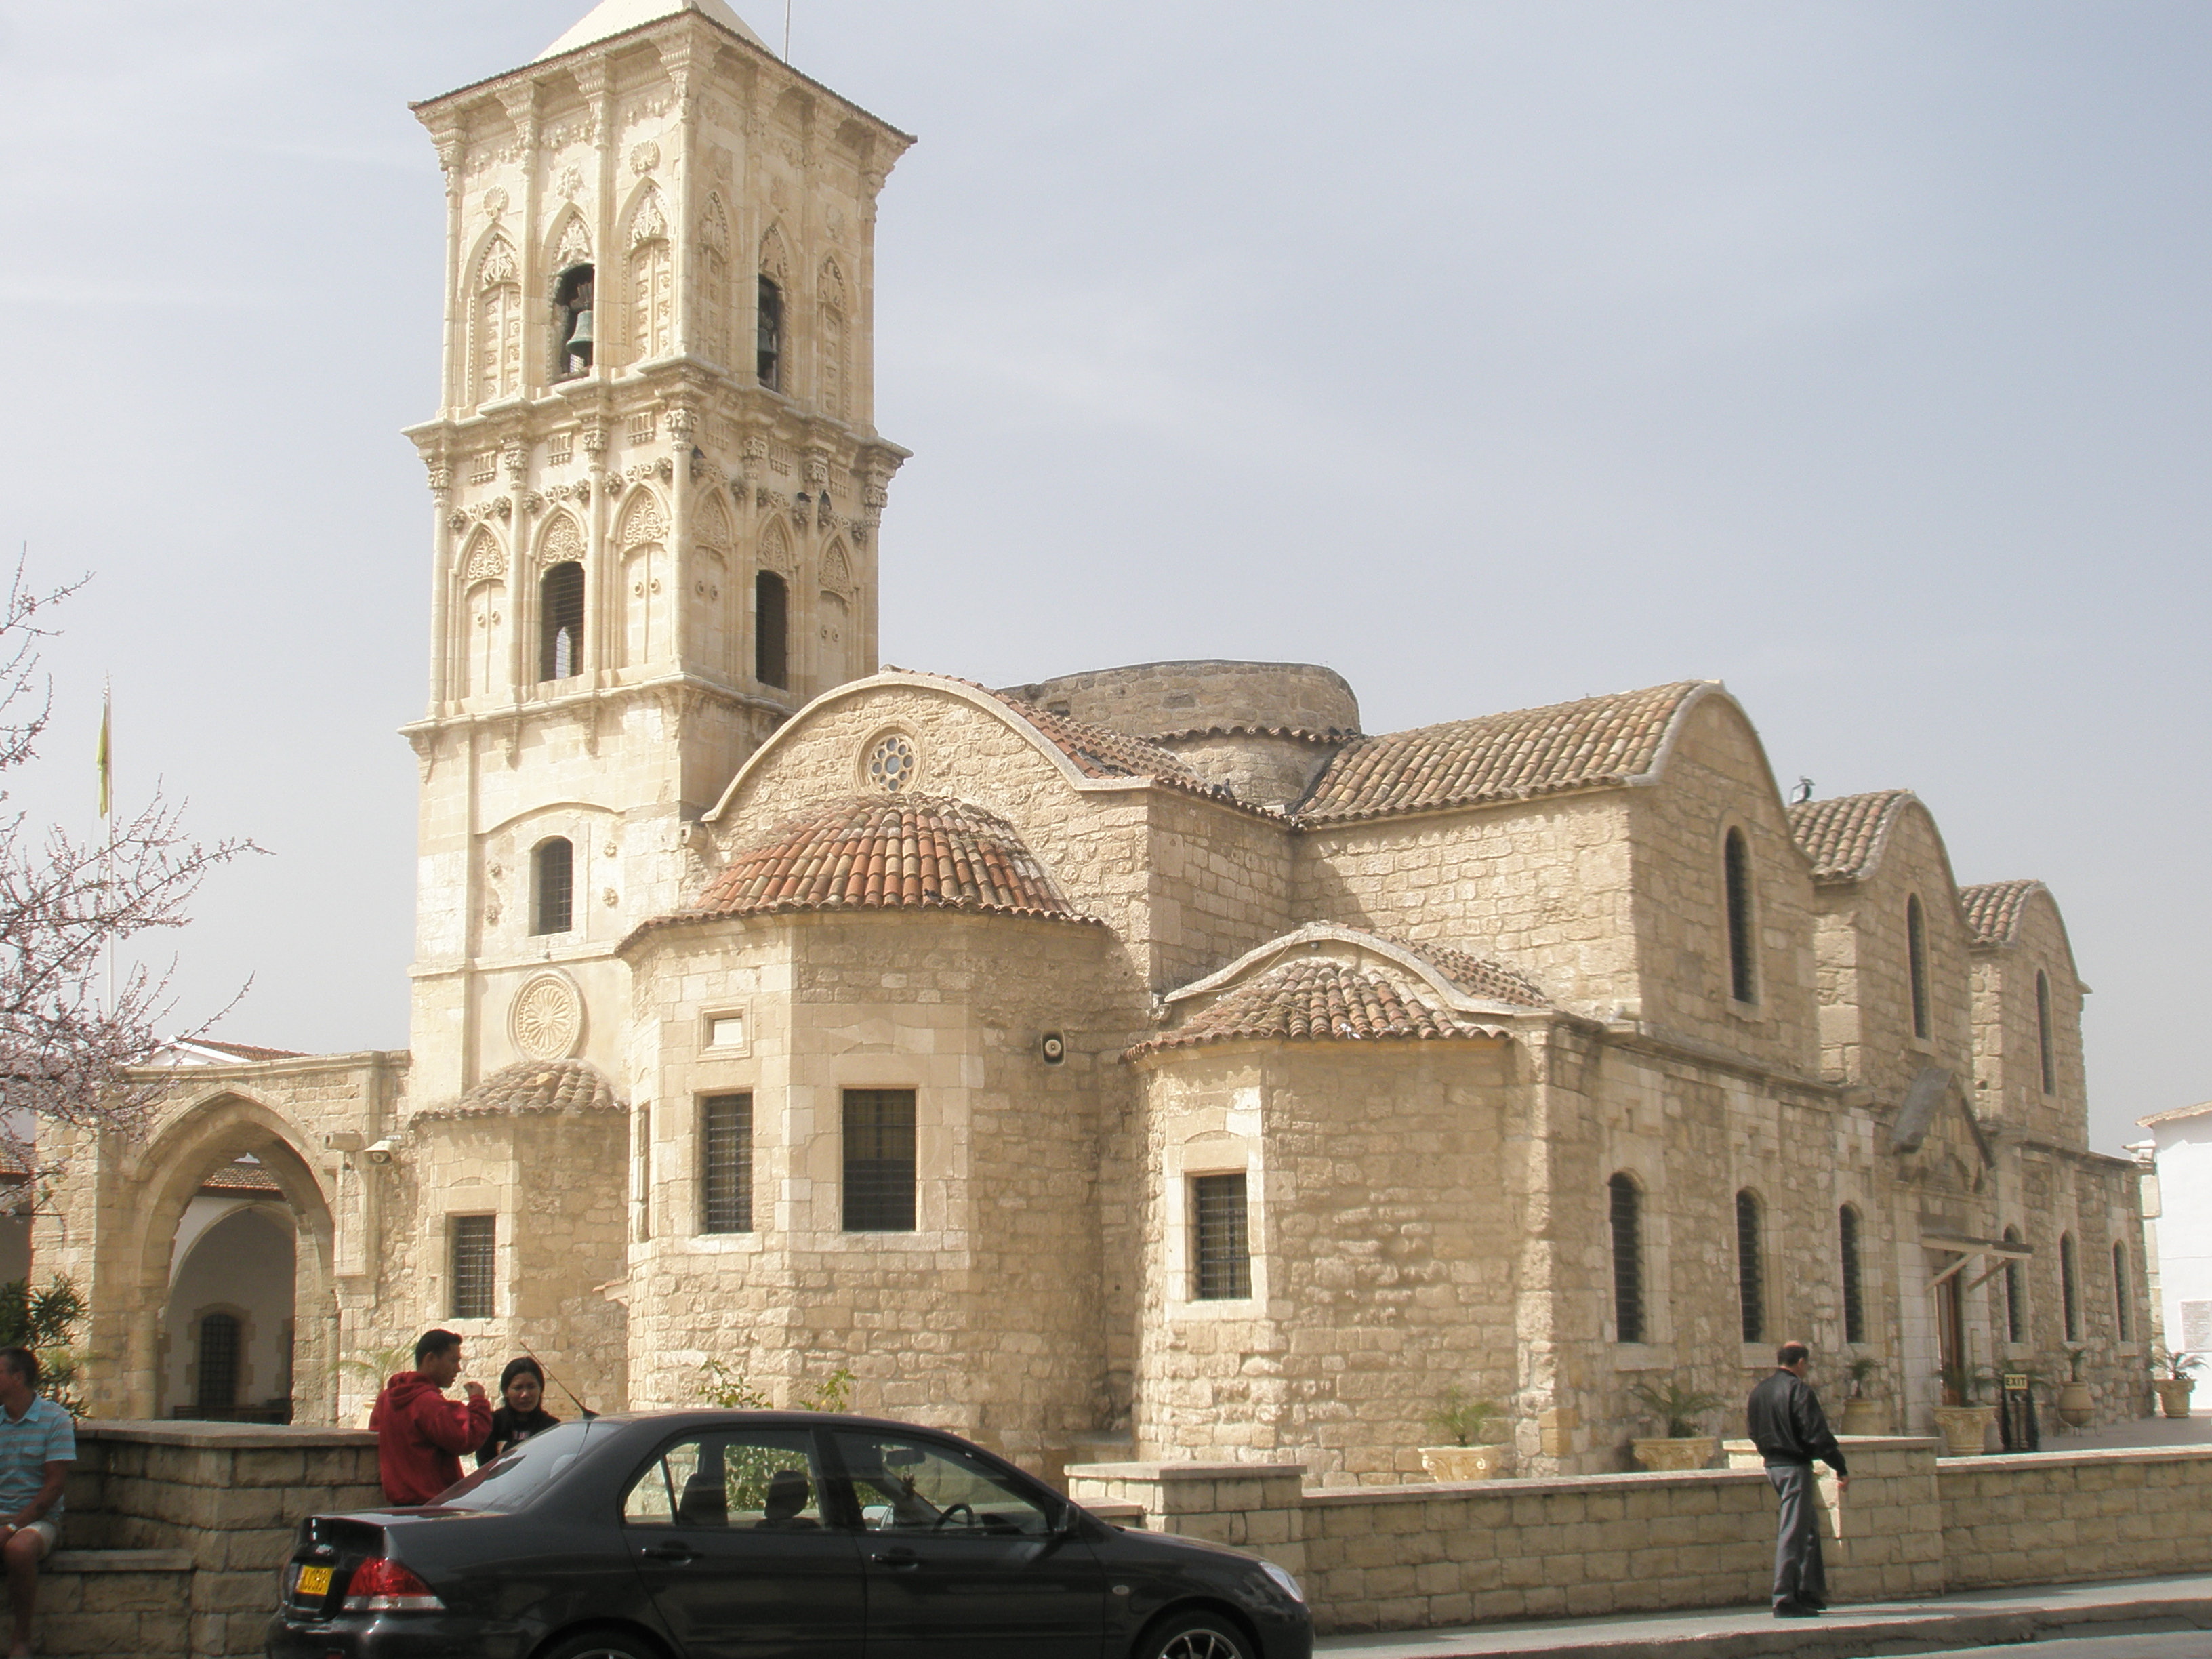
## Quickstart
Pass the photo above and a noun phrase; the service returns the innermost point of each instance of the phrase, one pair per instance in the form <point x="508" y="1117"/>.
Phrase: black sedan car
<point x="767" y="1535"/>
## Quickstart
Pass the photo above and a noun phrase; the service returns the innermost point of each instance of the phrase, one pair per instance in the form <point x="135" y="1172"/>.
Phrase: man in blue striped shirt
<point x="38" y="1445"/>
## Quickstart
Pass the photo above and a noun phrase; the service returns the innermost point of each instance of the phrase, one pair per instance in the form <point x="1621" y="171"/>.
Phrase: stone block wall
<point x="103" y="1604"/>
<point x="2052" y="1518"/>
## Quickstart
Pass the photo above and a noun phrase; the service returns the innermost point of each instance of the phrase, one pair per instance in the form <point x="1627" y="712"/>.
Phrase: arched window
<point x="1915" y="952"/>
<point x="2122" y="1307"/>
<point x="1626" y="1205"/>
<point x="1750" y="1270"/>
<point x="2069" y="1287"/>
<point x="497" y="324"/>
<point x="768" y="334"/>
<point x="2043" y="1033"/>
<point x="573" y="329"/>
<point x="561" y="622"/>
<point x="1736" y="860"/>
<point x="1854" y="1288"/>
<point x="771" y="626"/>
<point x="553" y="873"/>
<point x="218" y="1367"/>
<point x="2016" y="1313"/>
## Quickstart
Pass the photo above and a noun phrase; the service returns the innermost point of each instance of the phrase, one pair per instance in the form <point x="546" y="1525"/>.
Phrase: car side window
<point x="760" y="1480"/>
<point x="918" y="1487"/>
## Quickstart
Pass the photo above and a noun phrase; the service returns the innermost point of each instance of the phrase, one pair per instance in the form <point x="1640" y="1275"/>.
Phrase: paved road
<point x="2181" y="1644"/>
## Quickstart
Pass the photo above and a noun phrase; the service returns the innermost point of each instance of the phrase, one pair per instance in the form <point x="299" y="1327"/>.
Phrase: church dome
<point x="612" y="17"/>
<point x="911" y="853"/>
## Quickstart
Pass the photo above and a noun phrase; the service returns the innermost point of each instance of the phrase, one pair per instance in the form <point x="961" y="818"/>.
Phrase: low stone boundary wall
<point x="217" y="1504"/>
<point x="1410" y="1557"/>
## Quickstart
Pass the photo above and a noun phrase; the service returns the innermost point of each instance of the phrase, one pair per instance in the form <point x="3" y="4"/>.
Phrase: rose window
<point x="892" y="763"/>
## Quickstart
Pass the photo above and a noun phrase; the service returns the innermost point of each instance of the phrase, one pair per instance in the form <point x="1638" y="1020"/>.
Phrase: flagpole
<point x="107" y="816"/>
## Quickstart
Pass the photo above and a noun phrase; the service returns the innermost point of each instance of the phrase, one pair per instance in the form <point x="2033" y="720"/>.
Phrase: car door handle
<point x="675" y="1550"/>
<point x="897" y="1559"/>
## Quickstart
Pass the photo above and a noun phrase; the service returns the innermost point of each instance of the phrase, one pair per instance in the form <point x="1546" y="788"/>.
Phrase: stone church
<point x="1148" y="1061"/>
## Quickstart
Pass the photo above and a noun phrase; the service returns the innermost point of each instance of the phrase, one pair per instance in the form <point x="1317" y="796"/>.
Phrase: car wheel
<point x="603" y="1644"/>
<point x="1196" y="1636"/>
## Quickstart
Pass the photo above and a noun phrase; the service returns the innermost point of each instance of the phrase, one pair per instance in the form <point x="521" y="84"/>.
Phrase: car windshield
<point x="516" y="1479"/>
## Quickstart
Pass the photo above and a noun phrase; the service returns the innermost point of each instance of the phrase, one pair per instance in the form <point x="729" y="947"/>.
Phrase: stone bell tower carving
<point x="657" y="482"/>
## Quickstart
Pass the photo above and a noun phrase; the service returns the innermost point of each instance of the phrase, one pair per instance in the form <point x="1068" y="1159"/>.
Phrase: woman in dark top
<point x="521" y="1413"/>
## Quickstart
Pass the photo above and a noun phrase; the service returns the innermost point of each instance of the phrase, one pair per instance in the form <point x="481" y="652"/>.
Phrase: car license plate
<point x="313" y="1581"/>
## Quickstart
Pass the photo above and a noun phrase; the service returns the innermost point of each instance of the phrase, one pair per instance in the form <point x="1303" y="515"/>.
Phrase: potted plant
<point x="1680" y="1410"/>
<point x="2170" y="1377"/>
<point x="1465" y="1421"/>
<point x="1962" y="1419"/>
<point x="2076" y="1406"/>
<point x="1862" y="1413"/>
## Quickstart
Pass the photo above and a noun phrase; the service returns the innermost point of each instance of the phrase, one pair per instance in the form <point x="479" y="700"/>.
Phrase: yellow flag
<point x="107" y="701"/>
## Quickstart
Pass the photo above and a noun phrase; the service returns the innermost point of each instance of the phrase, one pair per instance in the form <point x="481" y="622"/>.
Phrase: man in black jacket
<point x="1790" y="1430"/>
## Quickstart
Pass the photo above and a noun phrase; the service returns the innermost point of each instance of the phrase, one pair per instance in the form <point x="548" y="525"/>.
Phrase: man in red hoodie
<point x="420" y="1434"/>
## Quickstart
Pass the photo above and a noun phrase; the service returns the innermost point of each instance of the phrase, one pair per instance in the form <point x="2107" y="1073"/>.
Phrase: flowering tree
<point x="68" y="1048"/>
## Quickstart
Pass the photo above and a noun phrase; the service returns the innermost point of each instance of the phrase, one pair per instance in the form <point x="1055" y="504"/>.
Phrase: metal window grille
<point x="1750" y="1272"/>
<point x="2016" y="1315"/>
<point x="1224" y="1246"/>
<point x="727" y="1181"/>
<point x="561" y="622"/>
<point x="879" y="1160"/>
<point x="475" y="1237"/>
<point x="556" y="863"/>
<point x="2043" y="1033"/>
<point x="218" y="1378"/>
<point x="771" y="611"/>
<point x="1626" y="1205"/>
<point x="2121" y="1320"/>
<point x="1854" y="1292"/>
<point x="2069" y="1288"/>
<point x="1743" y="984"/>
<point x="1916" y="950"/>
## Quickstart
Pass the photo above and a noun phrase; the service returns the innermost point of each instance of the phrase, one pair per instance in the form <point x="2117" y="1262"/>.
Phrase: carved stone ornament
<point x="651" y="223"/>
<point x="563" y="541"/>
<point x="642" y="523"/>
<point x="571" y="186"/>
<point x="486" y="562"/>
<point x="495" y="202"/>
<point x="644" y="158"/>
<point x="546" y="1018"/>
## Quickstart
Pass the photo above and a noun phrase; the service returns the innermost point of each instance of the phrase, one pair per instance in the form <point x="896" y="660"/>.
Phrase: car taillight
<point x="382" y="1586"/>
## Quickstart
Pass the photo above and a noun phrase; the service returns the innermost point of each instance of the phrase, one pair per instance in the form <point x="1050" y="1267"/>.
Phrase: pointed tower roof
<point x="612" y="17"/>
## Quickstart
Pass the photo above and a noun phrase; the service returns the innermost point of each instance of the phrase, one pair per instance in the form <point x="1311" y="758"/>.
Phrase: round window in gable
<point x="892" y="763"/>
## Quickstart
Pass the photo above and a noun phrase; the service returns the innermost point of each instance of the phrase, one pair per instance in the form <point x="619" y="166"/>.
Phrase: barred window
<point x="218" y="1368"/>
<point x="561" y="622"/>
<point x="2122" y="1311"/>
<point x="1626" y="1205"/>
<point x="879" y="1160"/>
<point x="771" y="628"/>
<point x="553" y="869"/>
<point x="1750" y="1272"/>
<point x="1853" y="1290"/>
<point x="2069" y="1287"/>
<point x="1915" y="954"/>
<point x="726" y="1178"/>
<point x="2016" y="1316"/>
<point x="473" y="1259"/>
<point x="1743" y="981"/>
<point x="1223" y="1255"/>
<point x="2043" y="1032"/>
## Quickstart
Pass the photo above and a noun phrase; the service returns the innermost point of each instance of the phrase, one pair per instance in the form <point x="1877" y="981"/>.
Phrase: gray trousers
<point x="1799" y="1576"/>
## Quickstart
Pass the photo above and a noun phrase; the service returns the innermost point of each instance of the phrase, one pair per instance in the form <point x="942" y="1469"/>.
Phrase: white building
<point x="2181" y="1162"/>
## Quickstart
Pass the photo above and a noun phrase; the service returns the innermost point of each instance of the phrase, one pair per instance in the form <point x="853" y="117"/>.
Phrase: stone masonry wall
<point x="2054" y="1517"/>
<point x="2009" y="1060"/>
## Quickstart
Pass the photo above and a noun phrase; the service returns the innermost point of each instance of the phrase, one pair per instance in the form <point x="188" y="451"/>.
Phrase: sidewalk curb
<point x="1835" y="1636"/>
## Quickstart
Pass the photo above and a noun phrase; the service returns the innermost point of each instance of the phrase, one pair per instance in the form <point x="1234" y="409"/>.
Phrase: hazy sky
<point x="1492" y="354"/>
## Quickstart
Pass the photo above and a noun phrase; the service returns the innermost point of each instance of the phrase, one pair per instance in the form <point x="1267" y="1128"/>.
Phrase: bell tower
<point x="657" y="483"/>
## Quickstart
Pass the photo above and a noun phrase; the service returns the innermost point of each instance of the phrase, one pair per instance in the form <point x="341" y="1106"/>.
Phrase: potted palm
<point x="1862" y="1413"/>
<point x="2170" y="1377"/>
<point x="2076" y="1406"/>
<point x="1680" y="1410"/>
<point x="1962" y="1419"/>
<point x="1465" y="1421"/>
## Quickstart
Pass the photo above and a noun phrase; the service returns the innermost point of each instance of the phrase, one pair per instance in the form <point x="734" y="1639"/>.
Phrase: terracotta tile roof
<point x="1314" y="1000"/>
<point x="887" y="853"/>
<point x="1993" y="909"/>
<point x="1331" y="737"/>
<point x="1477" y="975"/>
<point x="535" y="1085"/>
<point x="1513" y="756"/>
<point x="239" y="1177"/>
<point x="1844" y="835"/>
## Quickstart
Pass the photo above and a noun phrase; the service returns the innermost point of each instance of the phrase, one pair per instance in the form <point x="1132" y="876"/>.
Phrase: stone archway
<point x="151" y="1200"/>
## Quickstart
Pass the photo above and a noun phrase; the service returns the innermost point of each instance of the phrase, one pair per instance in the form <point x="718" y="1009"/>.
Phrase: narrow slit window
<point x="2123" y="1307"/>
<point x="475" y="1239"/>
<point x="2016" y="1313"/>
<point x="1854" y="1286"/>
<point x="727" y="1181"/>
<point x="561" y="622"/>
<point x="554" y="876"/>
<point x="1750" y="1269"/>
<point x="1736" y="858"/>
<point x="1625" y="1204"/>
<point x="880" y="1160"/>
<point x="571" y="323"/>
<point x="1223" y="1257"/>
<point x="771" y="630"/>
<point x="218" y="1378"/>
<point x="1915" y="952"/>
<point x="2043" y="1047"/>
<point x="2069" y="1288"/>
<point x="768" y="337"/>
